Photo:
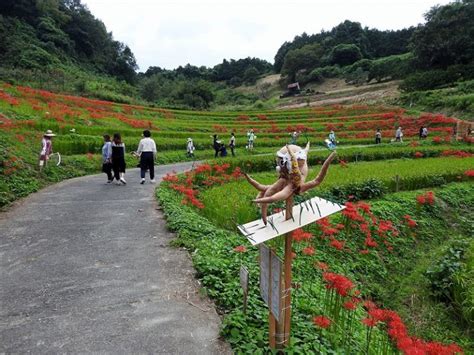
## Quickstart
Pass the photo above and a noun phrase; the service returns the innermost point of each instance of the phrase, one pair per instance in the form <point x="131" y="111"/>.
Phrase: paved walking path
<point x="86" y="267"/>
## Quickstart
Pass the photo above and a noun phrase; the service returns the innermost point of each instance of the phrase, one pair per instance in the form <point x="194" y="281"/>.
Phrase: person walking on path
<point x="216" y="145"/>
<point x="147" y="153"/>
<point x="378" y="136"/>
<point x="46" y="148"/>
<point x="232" y="143"/>
<point x="251" y="138"/>
<point x="190" y="148"/>
<point x="107" y="158"/>
<point x="118" y="159"/>
<point x="399" y="135"/>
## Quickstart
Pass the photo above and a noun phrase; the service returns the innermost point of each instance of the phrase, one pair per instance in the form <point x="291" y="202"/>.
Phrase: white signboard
<point x="270" y="279"/>
<point x="304" y="213"/>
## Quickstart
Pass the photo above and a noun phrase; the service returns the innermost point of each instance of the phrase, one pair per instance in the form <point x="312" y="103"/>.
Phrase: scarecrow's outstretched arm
<point x="322" y="174"/>
<point x="255" y="183"/>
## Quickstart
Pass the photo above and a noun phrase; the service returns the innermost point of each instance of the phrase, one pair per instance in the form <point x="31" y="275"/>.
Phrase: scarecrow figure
<point x="292" y="167"/>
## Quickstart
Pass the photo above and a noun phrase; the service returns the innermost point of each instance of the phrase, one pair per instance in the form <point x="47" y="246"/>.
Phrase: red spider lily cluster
<point x="469" y="173"/>
<point x="428" y="198"/>
<point x="418" y="155"/>
<point x="409" y="221"/>
<point x="203" y="175"/>
<point x="456" y="153"/>
<point x="342" y="299"/>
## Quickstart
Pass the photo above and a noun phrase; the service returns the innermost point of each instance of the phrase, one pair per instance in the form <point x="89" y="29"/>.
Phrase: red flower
<point x="350" y="306"/>
<point x="370" y="242"/>
<point x="300" y="235"/>
<point x="364" y="251"/>
<point x="369" y="322"/>
<point x="240" y="249"/>
<point x="322" y="322"/>
<point x="469" y="173"/>
<point x="337" y="244"/>
<point x="419" y="155"/>
<point x="322" y="266"/>
<point x="340" y="283"/>
<point x="308" y="251"/>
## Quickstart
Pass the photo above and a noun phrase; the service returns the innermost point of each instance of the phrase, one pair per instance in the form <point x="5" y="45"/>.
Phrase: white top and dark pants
<point x="147" y="152"/>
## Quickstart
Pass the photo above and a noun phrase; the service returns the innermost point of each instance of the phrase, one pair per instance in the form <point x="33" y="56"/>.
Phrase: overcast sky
<point x="169" y="33"/>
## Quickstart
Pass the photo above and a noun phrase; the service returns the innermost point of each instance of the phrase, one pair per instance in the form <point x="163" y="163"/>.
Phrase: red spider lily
<point x="410" y="222"/>
<point x="364" y="251"/>
<point x="426" y="199"/>
<point x="414" y="144"/>
<point x="369" y="242"/>
<point x="437" y="140"/>
<point x="322" y="266"/>
<point x="351" y="212"/>
<point x="240" y="249"/>
<point x="308" y="251"/>
<point x="171" y="178"/>
<point x="469" y="173"/>
<point x="300" y="235"/>
<point x="350" y="305"/>
<point x="364" y="207"/>
<point x="369" y="322"/>
<point x="322" y="322"/>
<point x="337" y="244"/>
<point x="340" y="283"/>
<point x="369" y="305"/>
<point x="456" y="153"/>
<point x="418" y="155"/>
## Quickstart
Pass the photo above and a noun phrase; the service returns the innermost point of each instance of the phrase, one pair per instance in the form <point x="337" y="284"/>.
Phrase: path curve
<point x="87" y="267"/>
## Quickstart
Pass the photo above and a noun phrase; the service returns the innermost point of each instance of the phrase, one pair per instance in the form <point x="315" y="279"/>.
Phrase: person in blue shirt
<point x="107" y="158"/>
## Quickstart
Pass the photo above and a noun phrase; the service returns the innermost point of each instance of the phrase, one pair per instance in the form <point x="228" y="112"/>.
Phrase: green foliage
<point x="307" y="57"/>
<point x="345" y="54"/>
<point x="446" y="38"/>
<point x="393" y="67"/>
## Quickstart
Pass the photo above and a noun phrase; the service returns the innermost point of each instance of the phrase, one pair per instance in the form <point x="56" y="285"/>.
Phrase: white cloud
<point x="173" y="33"/>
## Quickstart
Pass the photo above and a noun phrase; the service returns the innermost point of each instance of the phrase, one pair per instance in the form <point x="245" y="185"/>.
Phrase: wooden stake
<point x="271" y="318"/>
<point x="287" y="269"/>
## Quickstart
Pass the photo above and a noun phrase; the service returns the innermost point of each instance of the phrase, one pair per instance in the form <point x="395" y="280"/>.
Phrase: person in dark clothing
<point x="216" y="146"/>
<point x="118" y="159"/>
<point x="223" y="150"/>
<point x="421" y="132"/>
<point x="107" y="158"/>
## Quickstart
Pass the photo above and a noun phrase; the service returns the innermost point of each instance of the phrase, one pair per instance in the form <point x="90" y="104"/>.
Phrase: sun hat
<point x="189" y="140"/>
<point x="49" y="133"/>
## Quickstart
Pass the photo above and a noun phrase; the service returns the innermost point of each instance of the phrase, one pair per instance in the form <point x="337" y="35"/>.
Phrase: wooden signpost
<point x="275" y="293"/>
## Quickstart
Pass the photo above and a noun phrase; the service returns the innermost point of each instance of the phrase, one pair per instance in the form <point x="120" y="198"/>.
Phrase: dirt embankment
<point x="336" y="91"/>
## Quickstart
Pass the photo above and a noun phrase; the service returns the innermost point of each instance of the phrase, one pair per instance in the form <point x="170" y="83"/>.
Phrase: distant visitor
<point x="118" y="159"/>
<point x="46" y="148"/>
<point x="147" y="153"/>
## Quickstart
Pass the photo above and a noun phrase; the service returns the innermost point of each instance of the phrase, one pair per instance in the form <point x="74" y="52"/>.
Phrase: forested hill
<point x="368" y="43"/>
<point x="39" y="34"/>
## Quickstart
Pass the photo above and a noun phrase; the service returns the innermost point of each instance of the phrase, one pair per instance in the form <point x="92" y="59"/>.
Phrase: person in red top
<point x="46" y="148"/>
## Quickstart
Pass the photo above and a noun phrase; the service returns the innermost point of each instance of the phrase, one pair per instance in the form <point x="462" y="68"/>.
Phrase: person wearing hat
<point x="46" y="148"/>
<point x="190" y="148"/>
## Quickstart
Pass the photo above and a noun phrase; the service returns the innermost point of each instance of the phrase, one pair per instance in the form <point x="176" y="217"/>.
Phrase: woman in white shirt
<point x="147" y="152"/>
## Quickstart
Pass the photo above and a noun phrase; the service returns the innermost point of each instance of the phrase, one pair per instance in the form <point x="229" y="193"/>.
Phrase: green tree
<point x="307" y="57"/>
<point x="345" y="54"/>
<point x="251" y="75"/>
<point x="447" y="36"/>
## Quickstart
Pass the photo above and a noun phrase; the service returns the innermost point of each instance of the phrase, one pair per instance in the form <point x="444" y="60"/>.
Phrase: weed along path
<point x="87" y="267"/>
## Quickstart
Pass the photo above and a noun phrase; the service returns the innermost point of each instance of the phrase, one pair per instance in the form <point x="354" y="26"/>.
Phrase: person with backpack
<point x="147" y="153"/>
<point x="118" y="159"/>
<point x="216" y="145"/>
<point x="107" y="158"/>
